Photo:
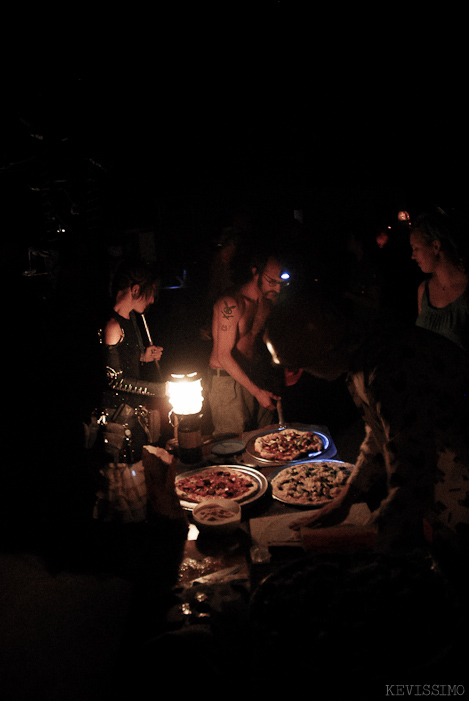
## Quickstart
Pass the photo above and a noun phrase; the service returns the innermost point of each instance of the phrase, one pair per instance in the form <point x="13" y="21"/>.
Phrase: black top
<point x="124" y="356"/>
<point x="124" y="368"/>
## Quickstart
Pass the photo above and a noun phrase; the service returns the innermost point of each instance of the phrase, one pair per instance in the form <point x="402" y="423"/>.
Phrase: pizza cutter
<point x="281" y="422"/>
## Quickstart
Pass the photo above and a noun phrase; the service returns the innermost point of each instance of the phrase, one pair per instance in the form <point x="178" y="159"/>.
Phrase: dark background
<point x="153" y="130"/>
<point x="160" y="125"/>
<point x="173" y="119"/>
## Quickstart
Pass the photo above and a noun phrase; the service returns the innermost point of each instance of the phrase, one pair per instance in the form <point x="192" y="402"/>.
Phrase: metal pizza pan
<point x="329" y="450"/>
<point x="261" y="480"/>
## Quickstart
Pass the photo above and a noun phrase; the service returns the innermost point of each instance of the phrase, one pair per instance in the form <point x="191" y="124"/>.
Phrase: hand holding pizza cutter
<point x="151" y="343"/>
<point x="281" y="422"/>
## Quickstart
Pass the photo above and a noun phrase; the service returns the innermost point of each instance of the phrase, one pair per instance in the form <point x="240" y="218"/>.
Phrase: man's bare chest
<point x="252" y="321"/>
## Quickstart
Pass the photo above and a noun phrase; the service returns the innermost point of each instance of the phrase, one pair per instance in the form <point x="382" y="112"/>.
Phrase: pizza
<point x="313" y="483"/>
<point x="225" y="482"/>
<point x="288" y="444"/>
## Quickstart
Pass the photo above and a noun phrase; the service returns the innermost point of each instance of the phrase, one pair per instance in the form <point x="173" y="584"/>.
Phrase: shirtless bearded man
<point x="237" y="401"/>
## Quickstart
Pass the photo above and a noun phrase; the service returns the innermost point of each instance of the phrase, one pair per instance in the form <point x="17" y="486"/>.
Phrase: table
<point x="209" y="556"/>
<point x="221" y="605"/>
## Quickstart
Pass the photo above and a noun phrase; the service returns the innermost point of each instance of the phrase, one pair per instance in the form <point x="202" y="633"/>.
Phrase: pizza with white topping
<point x="312" y="483"/>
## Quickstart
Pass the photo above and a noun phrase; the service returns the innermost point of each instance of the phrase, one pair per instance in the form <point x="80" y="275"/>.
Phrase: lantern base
<point x="187" y="437"/>
<point x="186" y="457"/>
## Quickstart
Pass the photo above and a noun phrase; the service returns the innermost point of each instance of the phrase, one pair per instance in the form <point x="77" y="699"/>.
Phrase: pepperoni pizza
<point x="225" y="482"/>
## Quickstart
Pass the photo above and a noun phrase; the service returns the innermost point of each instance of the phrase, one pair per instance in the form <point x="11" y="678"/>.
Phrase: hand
<point x="152" y="353"/>
<point x="267" y="399"/>
<point x="329" y="515"/>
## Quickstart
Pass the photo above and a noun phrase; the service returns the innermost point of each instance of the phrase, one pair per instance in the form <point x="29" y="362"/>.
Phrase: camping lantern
<point x="186" y="398"/>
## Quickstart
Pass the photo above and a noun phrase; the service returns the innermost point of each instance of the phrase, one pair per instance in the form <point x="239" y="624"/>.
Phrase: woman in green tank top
<point x="443" y="298"/>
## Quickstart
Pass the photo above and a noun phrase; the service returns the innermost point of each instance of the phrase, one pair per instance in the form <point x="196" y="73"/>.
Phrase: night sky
<point x="180" y="118"/>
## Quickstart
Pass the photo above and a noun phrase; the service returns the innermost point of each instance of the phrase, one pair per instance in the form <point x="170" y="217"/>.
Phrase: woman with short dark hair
<point x="129" y="395"/>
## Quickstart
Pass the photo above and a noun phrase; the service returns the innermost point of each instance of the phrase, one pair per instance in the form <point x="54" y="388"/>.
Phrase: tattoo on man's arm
<point x="227" y="311"/>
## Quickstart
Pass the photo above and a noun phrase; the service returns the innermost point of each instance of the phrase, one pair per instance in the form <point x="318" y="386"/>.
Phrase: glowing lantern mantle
<point x="185" y="394"/>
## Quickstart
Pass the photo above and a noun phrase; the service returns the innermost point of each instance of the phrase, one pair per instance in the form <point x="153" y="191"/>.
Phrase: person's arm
<point x="227" y="315"/>
<point x="400" y="412"/>
<point x="410" y="458"/>
<point x="113" y="336"/>
<point x="115" y="376"/>
<point x="403" y="418"/>
<point x="367" y="470"/>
